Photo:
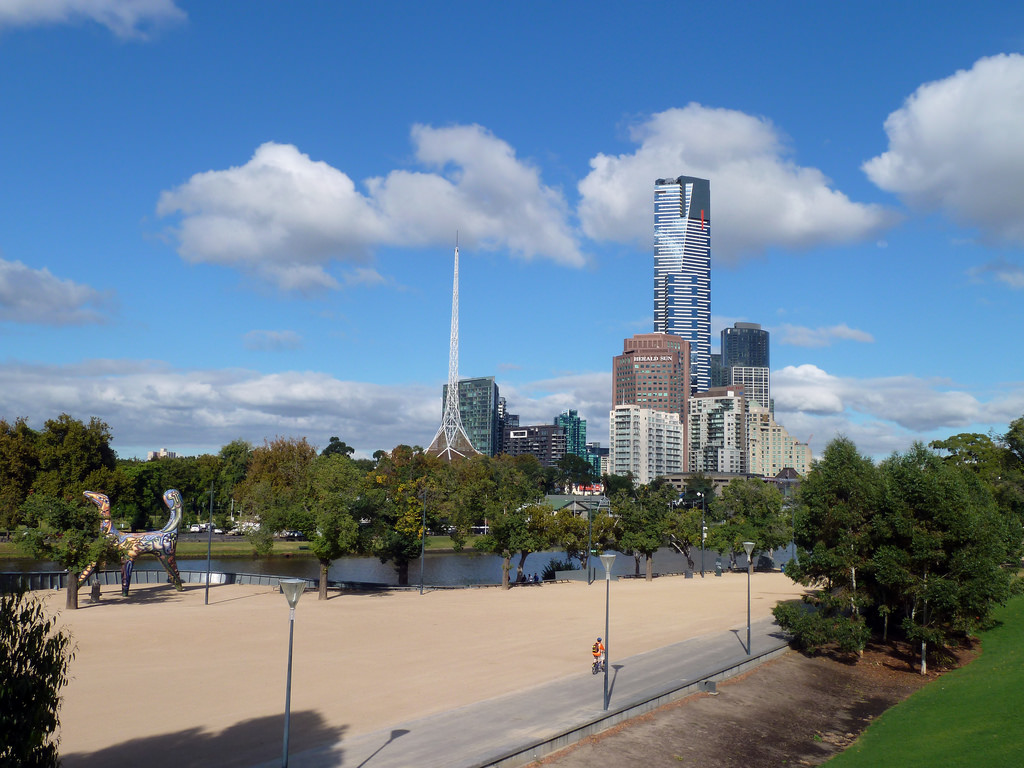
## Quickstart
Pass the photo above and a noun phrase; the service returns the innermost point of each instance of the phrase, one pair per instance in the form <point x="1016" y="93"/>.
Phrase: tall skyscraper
<point x="682" y="268"/>
<point x="745" y="361"/>
<point x="718" y="431"/>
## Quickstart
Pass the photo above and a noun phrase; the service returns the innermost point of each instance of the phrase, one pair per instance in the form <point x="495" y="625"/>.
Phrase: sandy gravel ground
<point x="162" y="674"/>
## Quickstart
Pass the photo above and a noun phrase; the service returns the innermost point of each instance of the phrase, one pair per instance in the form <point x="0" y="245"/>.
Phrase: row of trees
<point x="347" y="506"/>
<point x="928" y="541"/>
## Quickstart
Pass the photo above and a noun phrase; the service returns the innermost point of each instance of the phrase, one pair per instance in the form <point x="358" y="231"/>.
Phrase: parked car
<point x="195" y="528"/>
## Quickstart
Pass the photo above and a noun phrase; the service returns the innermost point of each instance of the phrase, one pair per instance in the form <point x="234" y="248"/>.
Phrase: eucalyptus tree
<point x="640" y="521"/>
<point x="942" y="542"/>
<point x="836" y="506"/>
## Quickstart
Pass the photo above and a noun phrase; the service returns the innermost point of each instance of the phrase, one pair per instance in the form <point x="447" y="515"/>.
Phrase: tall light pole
<point x="292" y="589"/>
<point x="749" y="547"/>
<point x="209" y="549"/>
<point x="423" y="539"/>
<point x="703" y="531"/>
<point x="607" y="559"/>
<point x="590" y="542"/>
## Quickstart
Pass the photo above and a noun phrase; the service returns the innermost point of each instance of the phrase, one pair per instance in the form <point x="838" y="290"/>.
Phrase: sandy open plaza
<point x="162" y="679"/>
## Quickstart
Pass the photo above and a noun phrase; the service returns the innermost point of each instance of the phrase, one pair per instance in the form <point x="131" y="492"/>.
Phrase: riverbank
<point x="193" y="545"/>
<point x="207" y="681"/>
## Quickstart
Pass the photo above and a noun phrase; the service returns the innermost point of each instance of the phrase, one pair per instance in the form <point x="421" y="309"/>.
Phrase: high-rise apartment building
<point x="575" y="432"/>
<point x="545" y="441"/>
<point x="682" y="268"/>
<point x="645" y="442"/>
<point x="478" y="409"/>
<point x="770" y="448"/>
<point x="718" y="431"/>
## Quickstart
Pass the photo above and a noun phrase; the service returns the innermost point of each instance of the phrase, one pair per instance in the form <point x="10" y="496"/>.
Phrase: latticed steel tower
<point x="451" y="440"/>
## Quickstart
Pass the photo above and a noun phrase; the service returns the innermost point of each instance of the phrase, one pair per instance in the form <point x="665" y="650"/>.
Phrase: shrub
<point x="34" y="656"/>
<point x="548" y="574"/>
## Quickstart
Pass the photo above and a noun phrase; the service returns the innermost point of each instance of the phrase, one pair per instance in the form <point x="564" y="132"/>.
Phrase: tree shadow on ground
<point x="251" y="742"/>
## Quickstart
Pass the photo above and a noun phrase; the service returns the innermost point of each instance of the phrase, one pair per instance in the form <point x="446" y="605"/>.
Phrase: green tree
<point x="837" y="503"/>
<point x="67" y="532"/>
<point x="517" y="522"/>
<point x="19" y="463"/>
<point x="614" y="484"/>
<point x="34" y="656"/>
<point x="329" y="522"/>
<point x="73" y="457"/>
<point x="338" y="446"/>
<point x="752" y="511"/>
<point x="640" y="521"/>
<point x="943" y="543"/>
<point x="276" y="489"/>
<point x="396" y="500"/>
<point x="574" y="470"/>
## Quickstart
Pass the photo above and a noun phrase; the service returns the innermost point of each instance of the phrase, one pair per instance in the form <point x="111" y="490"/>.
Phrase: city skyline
<point x="203" y="242"/>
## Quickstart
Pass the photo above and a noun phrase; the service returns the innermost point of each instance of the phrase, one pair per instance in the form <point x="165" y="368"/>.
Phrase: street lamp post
<point x="606" y="560"/>
<point x="749" y="547"/>
<point x="423" y="539"/>
<point x="292" y="589"/>
<point x="590" y="542"/>
<point x="703" y="530"/>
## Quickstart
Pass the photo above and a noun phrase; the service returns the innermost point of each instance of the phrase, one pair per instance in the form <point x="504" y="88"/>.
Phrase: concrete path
<point x="521" y="727"/>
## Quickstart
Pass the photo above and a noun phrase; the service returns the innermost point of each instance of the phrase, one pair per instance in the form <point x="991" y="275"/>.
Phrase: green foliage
<point x="553" y="566"/>
<point x="641" y="519"/>
<point x="34" y="656"/>
<point x="815" y="629"/>
<point x="339" y="447"/>
<point x="73" y="457"/>
<point x="19" y="463"/>
<point x="749" y="510"/>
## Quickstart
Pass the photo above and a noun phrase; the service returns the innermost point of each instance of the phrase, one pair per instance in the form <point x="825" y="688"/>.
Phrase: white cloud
<point x="955" y="146"/>
<point x="801" y="336"/>
<point x="149" y="405"/>
<point x="1004" y="271"/>
<point x="125" y="18"/>
<point x="36" y="296"/>
<point x="272" y="340"/>
<point x="287" y="218"/>
<point x="760" y="199"/>
<point x="913" y="403"/>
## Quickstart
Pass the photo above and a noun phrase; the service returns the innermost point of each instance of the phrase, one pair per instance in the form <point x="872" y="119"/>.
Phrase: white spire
<point x="451" y="439"/>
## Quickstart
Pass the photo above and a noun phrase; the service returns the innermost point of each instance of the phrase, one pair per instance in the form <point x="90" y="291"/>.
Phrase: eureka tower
<point x="682" y="268"/>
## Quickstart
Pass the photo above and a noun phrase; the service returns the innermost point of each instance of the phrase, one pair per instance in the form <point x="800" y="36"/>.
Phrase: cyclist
<point x="598" y="651"/>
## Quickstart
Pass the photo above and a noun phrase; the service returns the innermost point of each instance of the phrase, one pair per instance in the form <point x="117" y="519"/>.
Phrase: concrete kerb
<point x="626" y="712"/>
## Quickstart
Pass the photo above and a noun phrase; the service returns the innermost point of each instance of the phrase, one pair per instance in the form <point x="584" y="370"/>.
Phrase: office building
<point x="653" y="371"/>
<point x="717" y="422"/>
<point x="682" y="268"/>
<point x="545" y="441"/>
<point x="575" y="432"/>
<point x="745" y="362"/>
<point x="598" y="458"/>
<point x="478" y="411"/>
<point x="645" y="442"/>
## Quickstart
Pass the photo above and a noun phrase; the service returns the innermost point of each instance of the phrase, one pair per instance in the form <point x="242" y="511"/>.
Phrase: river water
<point x="441" y="569"/>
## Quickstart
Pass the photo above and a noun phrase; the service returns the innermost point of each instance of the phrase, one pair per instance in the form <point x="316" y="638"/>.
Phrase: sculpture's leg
<point x="126" y="575"/>
<point x="171" y="566"/>
<point x="84" y="577"/>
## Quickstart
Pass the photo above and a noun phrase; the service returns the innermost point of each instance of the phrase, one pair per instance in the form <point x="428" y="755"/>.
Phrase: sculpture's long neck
<point x="173" y="502"/>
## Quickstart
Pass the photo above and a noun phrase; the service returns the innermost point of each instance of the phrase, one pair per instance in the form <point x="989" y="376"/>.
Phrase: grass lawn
<point x="968" y="717"/>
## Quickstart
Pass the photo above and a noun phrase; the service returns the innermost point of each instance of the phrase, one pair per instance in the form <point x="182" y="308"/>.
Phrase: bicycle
<point x="598" y="665"/>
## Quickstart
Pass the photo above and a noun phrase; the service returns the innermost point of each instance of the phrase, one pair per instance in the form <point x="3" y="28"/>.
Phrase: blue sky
<point x="236" y="219"/>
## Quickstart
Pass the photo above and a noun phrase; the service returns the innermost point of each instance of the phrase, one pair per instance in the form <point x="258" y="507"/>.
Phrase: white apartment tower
<point x="682" y="268"/>
<point x="646" y="442"/>
<point x="718" y="431"/>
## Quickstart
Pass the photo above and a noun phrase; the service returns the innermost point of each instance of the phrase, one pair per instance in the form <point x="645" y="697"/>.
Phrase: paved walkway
<point x="521" y="727"/>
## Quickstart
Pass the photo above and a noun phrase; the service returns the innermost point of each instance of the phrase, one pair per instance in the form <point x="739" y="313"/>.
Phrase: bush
<point x="34" y="656"/>
<point x="813" y="629"/>
<point x="548" y="574"/>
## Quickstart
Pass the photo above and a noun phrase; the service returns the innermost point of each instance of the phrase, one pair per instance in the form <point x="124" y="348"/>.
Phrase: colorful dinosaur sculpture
<point x="161" y="543"/>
